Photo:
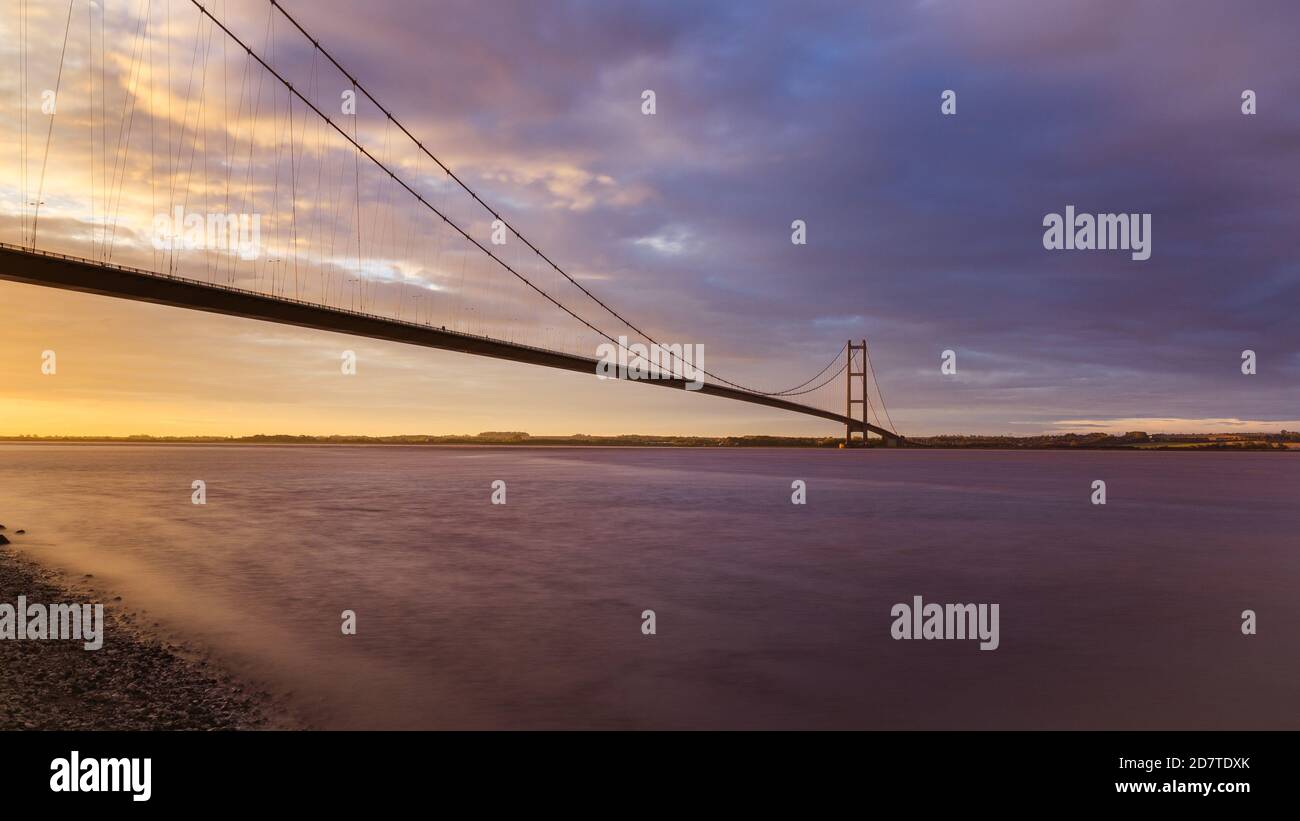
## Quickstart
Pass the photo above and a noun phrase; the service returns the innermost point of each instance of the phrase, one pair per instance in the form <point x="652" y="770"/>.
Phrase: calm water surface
<point x="527" y="615"/>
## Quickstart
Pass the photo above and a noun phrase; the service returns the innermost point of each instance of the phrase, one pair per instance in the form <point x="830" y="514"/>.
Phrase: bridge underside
<point x="77" y="274"/>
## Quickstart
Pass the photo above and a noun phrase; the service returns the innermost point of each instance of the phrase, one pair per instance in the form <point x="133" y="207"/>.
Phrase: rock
<point x="3" y="540"/>
<point x="21" y="532"/>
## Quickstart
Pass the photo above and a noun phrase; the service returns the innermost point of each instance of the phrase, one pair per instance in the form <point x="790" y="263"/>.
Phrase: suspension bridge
<point x="163" y="157"/>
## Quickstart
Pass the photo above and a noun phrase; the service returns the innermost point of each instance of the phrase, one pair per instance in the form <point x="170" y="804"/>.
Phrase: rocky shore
<point x="133" y="682"/>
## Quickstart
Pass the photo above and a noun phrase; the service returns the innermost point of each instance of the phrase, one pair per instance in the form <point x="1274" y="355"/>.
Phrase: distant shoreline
<point x="1254" y="442"/>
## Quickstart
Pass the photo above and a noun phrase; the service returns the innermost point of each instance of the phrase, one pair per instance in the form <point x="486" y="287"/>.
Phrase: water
<point x="528" y="615"/>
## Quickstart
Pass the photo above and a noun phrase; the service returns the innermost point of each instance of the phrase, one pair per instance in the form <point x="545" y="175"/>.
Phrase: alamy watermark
<point x="1100" y="232"/>
<point x="946" y="621"/>
<point x="655" y="361"/>
<point x="77" y="774"/>
<point x="80" y="622"/>
<point x="236" y="233"/>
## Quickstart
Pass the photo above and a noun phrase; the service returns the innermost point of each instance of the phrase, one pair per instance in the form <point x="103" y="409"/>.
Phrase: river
<point x="767" y="614"/>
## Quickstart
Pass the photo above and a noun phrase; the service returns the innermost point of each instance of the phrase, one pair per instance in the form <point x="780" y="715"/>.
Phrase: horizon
<point x="526" y="434"/>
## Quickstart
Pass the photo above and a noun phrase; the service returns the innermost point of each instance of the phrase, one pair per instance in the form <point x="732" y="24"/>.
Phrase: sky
<point x="924" y="230"/>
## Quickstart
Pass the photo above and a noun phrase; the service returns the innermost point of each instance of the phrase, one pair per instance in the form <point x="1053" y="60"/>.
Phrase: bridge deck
<point x="78" y="274"/>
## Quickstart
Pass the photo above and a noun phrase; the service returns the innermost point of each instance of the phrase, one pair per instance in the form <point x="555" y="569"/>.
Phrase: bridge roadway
<point x="36" y="267"/>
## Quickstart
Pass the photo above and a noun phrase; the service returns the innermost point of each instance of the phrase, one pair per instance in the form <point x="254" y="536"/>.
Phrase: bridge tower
<point x="861" y="377"/>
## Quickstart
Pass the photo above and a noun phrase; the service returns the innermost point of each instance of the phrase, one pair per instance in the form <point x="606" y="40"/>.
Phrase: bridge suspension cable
<point x="40" y="187"/>
<point x="872" y="370"/>
<point x="393" y="176"/>
<point x="497" y="215"/>
<point x="795" y="391"/>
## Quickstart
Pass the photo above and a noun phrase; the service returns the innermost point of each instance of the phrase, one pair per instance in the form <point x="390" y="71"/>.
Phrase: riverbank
<point x="132" y="682"/>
